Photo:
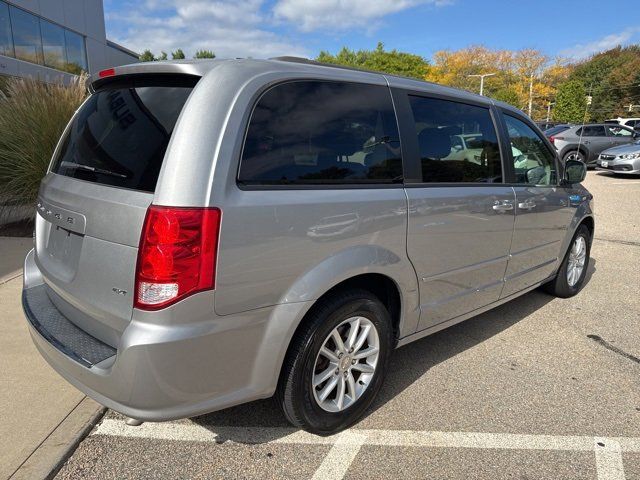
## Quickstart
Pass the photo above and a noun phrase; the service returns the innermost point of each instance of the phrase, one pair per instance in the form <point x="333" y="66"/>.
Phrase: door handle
<point x="528" y="205"/>
<point x="503" y="206"/>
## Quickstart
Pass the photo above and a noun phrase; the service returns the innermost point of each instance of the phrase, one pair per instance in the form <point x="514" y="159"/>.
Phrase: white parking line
<point x="609" y="459"/>
<point x="339" y="458"/>
<point x="346" y="445"/>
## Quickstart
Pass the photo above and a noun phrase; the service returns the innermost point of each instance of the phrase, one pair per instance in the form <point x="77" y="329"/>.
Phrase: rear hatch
<point x="92" y="204"/>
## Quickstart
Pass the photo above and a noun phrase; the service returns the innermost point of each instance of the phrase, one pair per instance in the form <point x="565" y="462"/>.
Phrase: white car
<point x="629" y="122"/>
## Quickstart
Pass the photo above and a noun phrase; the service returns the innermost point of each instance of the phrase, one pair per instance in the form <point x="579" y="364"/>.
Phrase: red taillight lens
<point x="552" y="139"/>
<point x="109" y="72"/>
<point x="177" y="255"/>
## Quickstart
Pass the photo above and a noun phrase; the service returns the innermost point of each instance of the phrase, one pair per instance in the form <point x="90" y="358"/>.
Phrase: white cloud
<point x="584" y="50"/>
<point x="309" y="15"/>
<point x="229" y="28"/>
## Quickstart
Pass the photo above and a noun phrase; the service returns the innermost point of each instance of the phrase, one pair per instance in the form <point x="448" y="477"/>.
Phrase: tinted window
<point x="533" y="162"/>
<point x="76" y="55"/>
<point x="314" y="132"/>
<point x="591" y="131"/>
<point x="53" y="45"/>
<point x="26" y="36"/>
<point x="6" y="43"/>
<point x="458" y="142"/>
<point x="120" y="135"/>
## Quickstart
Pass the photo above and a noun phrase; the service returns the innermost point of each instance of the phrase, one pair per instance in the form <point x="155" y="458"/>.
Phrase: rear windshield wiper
<point x="101" y="171"/>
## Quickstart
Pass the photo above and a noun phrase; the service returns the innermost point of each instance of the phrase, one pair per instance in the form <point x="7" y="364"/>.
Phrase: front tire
<point x="337" y="362"/>
<point x="574" y="155"/>
<point x="573" y="270"/>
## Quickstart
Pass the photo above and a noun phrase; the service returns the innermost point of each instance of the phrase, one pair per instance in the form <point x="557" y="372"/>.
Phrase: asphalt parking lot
<point x="537" y="388"/>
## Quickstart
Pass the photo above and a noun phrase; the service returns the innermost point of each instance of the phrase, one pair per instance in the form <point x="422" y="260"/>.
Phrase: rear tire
<point x="574" y="155"/>
<point x="570" y="277"/>
<point x="304" y="365"/>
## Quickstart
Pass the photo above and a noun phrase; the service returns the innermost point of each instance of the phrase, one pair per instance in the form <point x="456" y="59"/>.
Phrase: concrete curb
<point x="49" y="457"/>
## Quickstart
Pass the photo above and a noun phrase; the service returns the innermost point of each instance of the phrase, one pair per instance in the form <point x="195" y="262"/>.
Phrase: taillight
<point x="552" y="139"/>
<point x="109" y="72"/>
<point x="177" y="255"/>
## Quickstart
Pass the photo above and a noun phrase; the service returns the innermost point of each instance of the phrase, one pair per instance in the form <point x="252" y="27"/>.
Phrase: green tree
<point x="163" y="56"/>
<point x="204" y="54"/>
<point x="178" y="54"/>
<point x="507" y="95"/>
<point x="570" y="102"/>
<point x="147" y="56"/>
<point x="388" y="61"/>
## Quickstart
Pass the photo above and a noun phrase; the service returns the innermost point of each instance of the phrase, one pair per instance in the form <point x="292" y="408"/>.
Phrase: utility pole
<point x="482" y="80"/>
<point x="549" y="105"/>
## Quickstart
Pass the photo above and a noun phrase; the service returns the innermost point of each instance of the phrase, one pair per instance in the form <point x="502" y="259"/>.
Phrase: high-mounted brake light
<point x="109" y="72"/>
<point x="177" y="255"/>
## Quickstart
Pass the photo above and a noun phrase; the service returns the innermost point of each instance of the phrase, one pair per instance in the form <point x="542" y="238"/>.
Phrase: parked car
<point x="585" y="143"/>
<point x="550" y="132"/>
<point x="547" y="125"/>
<point x="215" y="232"/>
<point x="628" y="122"/>
<point x="624" y="159"/>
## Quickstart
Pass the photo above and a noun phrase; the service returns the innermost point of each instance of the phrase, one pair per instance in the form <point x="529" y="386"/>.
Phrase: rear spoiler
<point x="187" y="67"/>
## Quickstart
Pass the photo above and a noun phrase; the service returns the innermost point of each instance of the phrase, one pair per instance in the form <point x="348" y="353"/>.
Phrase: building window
<point x="76" y="55"/>
<point x="34" y="39"/>
<point x="26" y="36"/>
<point x="53" y="45"/>
<point x="6" y="42"/>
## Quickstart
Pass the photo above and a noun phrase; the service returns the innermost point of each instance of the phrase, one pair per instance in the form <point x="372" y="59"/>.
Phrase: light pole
<point x="482" y="79"/>
<point x="549" y="105"/>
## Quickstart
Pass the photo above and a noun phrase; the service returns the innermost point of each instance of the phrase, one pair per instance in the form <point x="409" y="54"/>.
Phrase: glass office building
<point x="54" y="38"/>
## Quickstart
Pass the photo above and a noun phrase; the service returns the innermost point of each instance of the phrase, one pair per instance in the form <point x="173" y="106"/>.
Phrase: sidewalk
<point x="41" y="415"/>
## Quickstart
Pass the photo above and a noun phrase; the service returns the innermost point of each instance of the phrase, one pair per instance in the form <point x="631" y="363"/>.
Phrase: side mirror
<point x="575" y="171"/>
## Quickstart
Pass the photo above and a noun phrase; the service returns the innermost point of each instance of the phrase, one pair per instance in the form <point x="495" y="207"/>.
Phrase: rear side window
<point x="458" y="142"/>
<point x="320" y="132"/>
<point x="120" y="135"/>
<point x="592" y="131"/>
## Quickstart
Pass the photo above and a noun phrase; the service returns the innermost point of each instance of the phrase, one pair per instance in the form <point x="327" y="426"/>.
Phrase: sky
<point x="267" y="28"/>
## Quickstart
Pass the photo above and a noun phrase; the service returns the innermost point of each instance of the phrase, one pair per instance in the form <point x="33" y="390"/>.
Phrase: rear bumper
<point x="164" y="368"/>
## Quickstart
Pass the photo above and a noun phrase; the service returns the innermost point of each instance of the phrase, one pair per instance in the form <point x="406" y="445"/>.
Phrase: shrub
<point x="33" y="116"/>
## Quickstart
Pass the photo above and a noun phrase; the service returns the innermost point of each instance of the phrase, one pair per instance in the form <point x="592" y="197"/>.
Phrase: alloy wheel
<point x="577" y="259"/>
<point x="346" y="364"/>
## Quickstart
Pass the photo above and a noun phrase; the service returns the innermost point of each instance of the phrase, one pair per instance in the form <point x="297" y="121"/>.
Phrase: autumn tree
<point x="379" y="59"/>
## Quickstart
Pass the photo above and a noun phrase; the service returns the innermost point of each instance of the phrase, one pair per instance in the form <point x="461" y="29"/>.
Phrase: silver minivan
<point x="215" y="232"/>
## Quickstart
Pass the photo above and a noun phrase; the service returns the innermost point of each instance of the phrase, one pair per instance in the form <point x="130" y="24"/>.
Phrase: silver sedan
<point x="624" y="159"/>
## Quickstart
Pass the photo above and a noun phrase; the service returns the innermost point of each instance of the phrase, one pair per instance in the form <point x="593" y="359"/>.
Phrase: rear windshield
<point x="120" y="135"/>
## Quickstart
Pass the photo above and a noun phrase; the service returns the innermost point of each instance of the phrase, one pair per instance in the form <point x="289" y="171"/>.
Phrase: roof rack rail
<point x="308" y="61"/>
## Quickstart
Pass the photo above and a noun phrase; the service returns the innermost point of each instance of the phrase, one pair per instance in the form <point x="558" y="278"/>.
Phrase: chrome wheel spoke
<point x="353" y="333"/>
<point x="364" y="334"/>
<point x="340" y="394"/>
<point x="351" y="384"/>
<point x="319" y="378"/>
<point x="338" y="340"/>
<point x="329" y="354"/>
<point x="329" y="387"/>
<point x="367" y="352"/>
<point x="363" y="367"/>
